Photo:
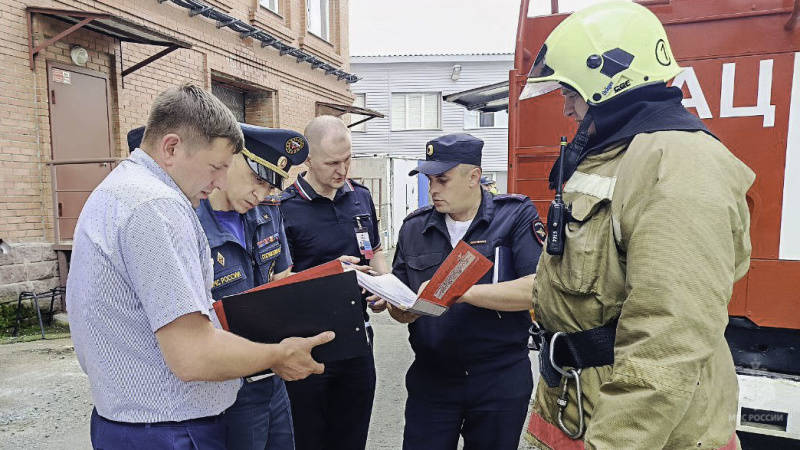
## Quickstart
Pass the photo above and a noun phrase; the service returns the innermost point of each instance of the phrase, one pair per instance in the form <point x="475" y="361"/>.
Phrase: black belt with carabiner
<point x="578" y="350"/>
<point x="566" y="355"/>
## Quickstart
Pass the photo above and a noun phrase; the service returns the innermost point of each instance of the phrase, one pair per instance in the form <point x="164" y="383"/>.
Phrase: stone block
<point x="61" y="320"/>
<point x="10" y="292"/>
<point x="27" y="253"/>
<point x="48" y="254"/>
<point x="13" y="274"/>
<point x="6" y="259"/>
<point x="38" y="286"/>
<point x="42" y="270"/>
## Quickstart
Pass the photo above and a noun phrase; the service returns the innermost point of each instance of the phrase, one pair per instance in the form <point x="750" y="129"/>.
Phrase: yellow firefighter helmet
<point x="603" y="51"/>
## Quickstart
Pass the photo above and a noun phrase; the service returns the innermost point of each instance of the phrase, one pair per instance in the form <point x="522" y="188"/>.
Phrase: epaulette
<point x="418" y="212"/>
<point x="288" y="193"/>
<point x="517" y="197"/>
<point x="356" y="183"/>
<point x="270" y="201"/>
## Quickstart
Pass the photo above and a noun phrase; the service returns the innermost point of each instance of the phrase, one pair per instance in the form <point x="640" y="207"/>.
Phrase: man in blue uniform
<point x="248" y="244"/>
<point x="471" y="374"/>
<point x="327" y="216"/>
<point x="245" y="231"/>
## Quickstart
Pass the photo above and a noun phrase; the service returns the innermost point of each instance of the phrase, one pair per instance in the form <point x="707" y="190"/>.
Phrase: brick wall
<point x="281" y="92"/>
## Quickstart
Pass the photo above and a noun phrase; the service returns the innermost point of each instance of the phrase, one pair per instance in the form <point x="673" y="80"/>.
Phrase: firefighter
<point x="631" y="317"/>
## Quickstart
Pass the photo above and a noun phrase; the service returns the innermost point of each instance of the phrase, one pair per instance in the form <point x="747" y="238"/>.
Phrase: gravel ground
<point x="45" y="401"/>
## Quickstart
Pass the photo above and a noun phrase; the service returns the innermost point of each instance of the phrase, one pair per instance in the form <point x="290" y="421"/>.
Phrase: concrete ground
<point x="45" y="401"/>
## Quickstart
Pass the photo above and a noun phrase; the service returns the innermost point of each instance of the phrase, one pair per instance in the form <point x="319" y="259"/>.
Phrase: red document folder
<point x="319" y="299"/>
<point x="323" y="270"/>
<point x="462" y="268"/>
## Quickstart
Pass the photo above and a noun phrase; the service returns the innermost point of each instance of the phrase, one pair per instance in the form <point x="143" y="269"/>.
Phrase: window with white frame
<point x="271" y="5"/>
<point x="416" y="111"/>
<point x="318" y="18"/>
<point x="478" y="119"/>
<point x="361" y="102"/>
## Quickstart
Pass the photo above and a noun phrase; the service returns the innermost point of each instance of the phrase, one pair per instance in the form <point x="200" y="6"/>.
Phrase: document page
<point x="389" y="288"/>
<point x="462" y="268"/>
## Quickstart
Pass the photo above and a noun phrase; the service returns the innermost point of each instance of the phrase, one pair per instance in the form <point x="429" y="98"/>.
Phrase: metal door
<point x="81" y="140"/>
<point x="404" y="195"/>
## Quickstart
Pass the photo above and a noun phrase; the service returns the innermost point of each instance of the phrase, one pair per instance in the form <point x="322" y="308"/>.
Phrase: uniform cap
<point x="271" y="152"/>
<point x="135" y="138"/>
<point x="446" y="152"/>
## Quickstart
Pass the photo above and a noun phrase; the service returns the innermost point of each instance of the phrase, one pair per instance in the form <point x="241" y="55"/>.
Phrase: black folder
<point x="302" y="309"/>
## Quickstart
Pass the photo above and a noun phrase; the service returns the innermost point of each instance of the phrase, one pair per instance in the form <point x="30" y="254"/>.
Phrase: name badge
<point x="362" y="237"/>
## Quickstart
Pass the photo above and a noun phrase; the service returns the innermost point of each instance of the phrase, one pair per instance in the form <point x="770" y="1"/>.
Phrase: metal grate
<point x="375" y="186"/>
<point x="232" y="98"/>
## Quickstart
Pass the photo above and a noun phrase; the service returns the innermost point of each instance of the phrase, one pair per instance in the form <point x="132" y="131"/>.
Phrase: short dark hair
<point x="194" y="114"/>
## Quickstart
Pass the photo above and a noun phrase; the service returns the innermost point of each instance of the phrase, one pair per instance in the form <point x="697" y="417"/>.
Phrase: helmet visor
<point x="540" y="69"/>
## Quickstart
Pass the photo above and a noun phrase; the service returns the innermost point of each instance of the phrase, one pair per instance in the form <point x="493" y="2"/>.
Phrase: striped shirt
<point x="140" y="260"/>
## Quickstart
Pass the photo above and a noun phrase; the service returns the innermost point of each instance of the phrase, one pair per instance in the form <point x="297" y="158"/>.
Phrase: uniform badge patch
<point x="282" y="161"/>
<point x="267" y="240"/>
<point x="220" y="259"/>
<point x="266" y="256"/>
<point x="430" y="150"/>
<point x="539" y="231"/>
<point x="228" y="278"/>
<point x="294" y="145"/>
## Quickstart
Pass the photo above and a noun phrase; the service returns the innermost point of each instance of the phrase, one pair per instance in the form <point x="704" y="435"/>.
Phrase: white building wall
<point x="383" y="75"/>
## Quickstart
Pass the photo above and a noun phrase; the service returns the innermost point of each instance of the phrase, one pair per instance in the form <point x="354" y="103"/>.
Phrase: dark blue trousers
<point x="331" y="411"/>
<point x="199" y="434"/>
<point x="488" y="410"/>
<point x="261" y="418"/>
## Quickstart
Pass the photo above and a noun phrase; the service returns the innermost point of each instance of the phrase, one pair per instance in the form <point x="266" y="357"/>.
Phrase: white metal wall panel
<point x="427" y="74"/>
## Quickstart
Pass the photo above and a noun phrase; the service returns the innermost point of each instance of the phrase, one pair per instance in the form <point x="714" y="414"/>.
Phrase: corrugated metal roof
<point x="490" y="98"/>
<point x="114" y="26"/>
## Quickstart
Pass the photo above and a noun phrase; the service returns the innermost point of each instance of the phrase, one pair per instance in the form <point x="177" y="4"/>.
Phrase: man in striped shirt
<point x="160" y="368"/>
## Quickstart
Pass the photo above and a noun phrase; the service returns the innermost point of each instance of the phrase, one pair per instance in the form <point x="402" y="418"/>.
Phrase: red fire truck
<point x="741" y="61"/>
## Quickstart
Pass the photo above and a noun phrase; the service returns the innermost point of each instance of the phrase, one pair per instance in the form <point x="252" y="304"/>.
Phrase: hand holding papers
<point x="462" y="269"/>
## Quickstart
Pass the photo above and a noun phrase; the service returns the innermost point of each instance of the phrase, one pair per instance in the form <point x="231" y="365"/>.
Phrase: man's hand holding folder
<point x="310" y="304"/>
<point x="297" y="362"/>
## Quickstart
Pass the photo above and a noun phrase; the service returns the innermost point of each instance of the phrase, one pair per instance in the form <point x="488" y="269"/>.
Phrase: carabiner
<point x="536" y="339"/>
<point x="563" y="399"/>
<point x="558" y="368"/>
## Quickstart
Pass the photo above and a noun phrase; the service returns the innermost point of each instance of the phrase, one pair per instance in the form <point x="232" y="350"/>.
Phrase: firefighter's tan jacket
<point x="665" y="235"/>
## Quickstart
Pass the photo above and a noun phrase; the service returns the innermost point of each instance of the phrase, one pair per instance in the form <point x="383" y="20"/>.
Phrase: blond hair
<point x="195" y="115"/>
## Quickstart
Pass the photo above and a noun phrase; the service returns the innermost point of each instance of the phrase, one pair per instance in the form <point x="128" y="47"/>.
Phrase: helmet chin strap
<point x="574" y="153"/>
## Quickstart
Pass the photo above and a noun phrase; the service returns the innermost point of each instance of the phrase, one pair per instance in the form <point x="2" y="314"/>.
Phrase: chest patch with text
<point x="228" y="277"/>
